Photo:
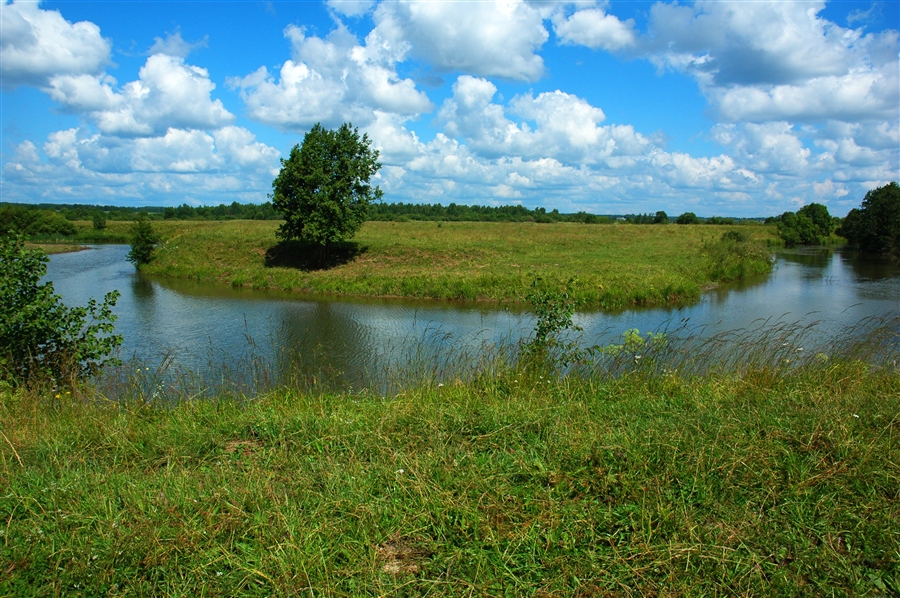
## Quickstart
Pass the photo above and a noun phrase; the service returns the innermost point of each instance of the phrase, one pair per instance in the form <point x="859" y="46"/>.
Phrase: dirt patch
<point x="400" y="555"/>
<point x="244" y="447"/>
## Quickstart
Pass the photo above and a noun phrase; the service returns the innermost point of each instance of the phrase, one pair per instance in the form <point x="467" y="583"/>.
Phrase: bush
<point x="41" y="338"/>
<point x="734" y="256"/>
<point x="687" y="218"/>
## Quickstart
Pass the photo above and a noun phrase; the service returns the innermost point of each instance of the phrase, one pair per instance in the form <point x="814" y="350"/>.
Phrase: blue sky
<point x="720" y="108"/>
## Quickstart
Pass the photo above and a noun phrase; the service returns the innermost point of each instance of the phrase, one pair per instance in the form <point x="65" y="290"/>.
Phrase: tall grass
<point x="730" y="465"/>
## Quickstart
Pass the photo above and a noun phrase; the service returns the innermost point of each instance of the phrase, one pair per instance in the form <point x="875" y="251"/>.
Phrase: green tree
<point x="143" y="242"/>
<point x="875" y="226"/>
<point x="810" y="225"/>
<point x="820" y="217"/>
<point x="99" y="219"/>
<point x="687" y="218"/>
<point x="661" y="218"/>
<point x="323" y="188"/>
<point x="41" y="338"/>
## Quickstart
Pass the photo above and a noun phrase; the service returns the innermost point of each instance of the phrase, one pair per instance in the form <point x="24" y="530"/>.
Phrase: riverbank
<point x="775" y="482"/>
<point x="613" y="265"/>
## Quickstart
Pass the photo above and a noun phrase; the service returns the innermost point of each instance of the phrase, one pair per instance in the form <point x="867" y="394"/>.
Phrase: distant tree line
<point x="73" y="212"/>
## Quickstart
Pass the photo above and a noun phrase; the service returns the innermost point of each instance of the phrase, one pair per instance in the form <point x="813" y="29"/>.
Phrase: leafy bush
<point x="41" y="338"/>
<point x="554" y="310"/>
<point x="734" y="256"/>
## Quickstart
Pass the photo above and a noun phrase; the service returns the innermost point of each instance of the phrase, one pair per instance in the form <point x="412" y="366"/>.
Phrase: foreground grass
<point x="615" y="265"/>
<point x="772" y="483"/>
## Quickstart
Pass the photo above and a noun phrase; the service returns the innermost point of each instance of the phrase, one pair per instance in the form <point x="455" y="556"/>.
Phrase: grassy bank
<point x="615" y="265"/>
<point x="773" y="483"/>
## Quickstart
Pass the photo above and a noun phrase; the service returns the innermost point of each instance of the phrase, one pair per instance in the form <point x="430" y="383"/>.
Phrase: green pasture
<point x="614" y="265"/>
<point x="771" y="483"/>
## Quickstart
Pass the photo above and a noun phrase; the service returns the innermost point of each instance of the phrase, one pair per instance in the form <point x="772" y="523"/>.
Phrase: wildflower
<point x="856" y="416"/>
<point x="399" y="471"/>
<point x="440" y="384"/>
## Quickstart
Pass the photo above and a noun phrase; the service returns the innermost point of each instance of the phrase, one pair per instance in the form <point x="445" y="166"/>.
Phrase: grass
<point x="775" y="482"/>
<point x="615" y="266"/>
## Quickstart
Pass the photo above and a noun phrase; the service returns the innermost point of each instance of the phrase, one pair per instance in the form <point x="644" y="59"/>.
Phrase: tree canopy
<point x="811" y="225"/>
<point x="323" y="188"/>
<point x="875" y="226"/>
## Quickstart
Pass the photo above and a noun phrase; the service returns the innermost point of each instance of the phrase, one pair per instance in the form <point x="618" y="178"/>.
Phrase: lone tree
<point x="323" y="188"/>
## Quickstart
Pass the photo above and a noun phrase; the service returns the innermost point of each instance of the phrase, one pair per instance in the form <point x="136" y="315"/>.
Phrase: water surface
<point x="217" y="329"/>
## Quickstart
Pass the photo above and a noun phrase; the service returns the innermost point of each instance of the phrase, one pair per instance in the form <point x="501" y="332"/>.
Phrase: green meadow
<point x="741" y="465"/>
<point x="768" y="482"/>
<point x="613" y="265"/>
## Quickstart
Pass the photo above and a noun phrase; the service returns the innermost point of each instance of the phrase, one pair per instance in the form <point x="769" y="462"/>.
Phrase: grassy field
<point x="615" y="265"/>
<point x="772" y="483"/>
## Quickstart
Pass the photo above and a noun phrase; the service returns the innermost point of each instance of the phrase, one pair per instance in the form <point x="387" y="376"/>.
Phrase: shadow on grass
<point x="306" y="256"/>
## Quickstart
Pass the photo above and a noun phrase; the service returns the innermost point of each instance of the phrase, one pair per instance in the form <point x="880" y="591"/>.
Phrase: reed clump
<point x="704" y="467"/>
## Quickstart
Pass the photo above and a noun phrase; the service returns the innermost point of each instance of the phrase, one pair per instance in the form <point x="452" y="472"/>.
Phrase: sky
<point x="720" y="108"/>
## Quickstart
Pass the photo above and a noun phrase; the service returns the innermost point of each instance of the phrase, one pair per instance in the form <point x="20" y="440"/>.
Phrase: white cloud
<point x="594" y="28"/>
<point x="37" y="45"/>
<point x="493" y="38"/>
<point x="769" y="61"/>
<point x="331" y="80"/>
<point x="553" y="124"/>
<point x="174" y="45"/>
<point x="221" y="166"/>
<point x="351" y="8"/>
<point x="168" y="94"/>
<point x="768" y="148"/>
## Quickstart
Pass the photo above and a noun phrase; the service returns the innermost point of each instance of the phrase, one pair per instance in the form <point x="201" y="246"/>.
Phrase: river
<point x="210" y="331"/>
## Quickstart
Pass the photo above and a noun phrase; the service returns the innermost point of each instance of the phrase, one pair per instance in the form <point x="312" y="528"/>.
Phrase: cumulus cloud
<point x="168" y="94"/>
<point x="38" y="44"/>
<point x="768" y="148"/>
<point x="224" y="164"/>
<point x="331" y="80"/>
<point x="498" y="38"/>
<point x="768" y="61"/>
<point x="552" y="124"/>
<point x="594" y="28"/>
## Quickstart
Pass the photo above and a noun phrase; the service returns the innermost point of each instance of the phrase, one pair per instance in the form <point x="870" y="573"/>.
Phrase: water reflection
<point x="208" y="328"/>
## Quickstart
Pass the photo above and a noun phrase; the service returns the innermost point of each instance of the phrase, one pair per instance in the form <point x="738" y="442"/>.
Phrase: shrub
<point x="41" y="338"/>
<point x="734" y="256"/>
